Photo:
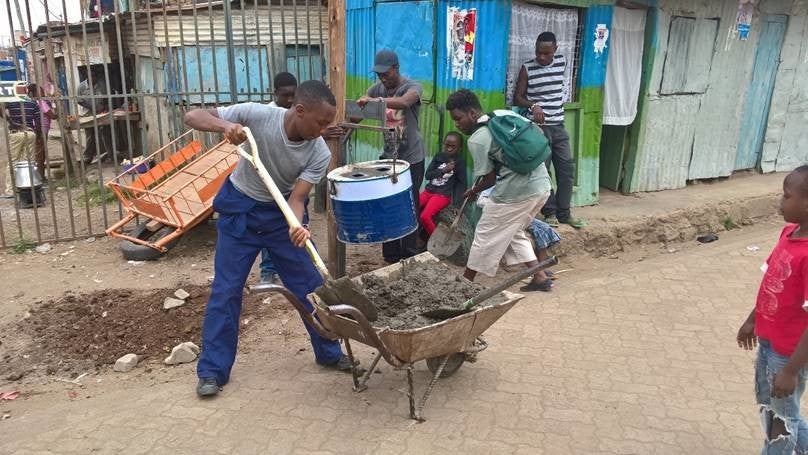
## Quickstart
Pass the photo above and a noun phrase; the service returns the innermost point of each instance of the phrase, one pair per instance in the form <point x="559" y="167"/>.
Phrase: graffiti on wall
<point x="461" y="30"/>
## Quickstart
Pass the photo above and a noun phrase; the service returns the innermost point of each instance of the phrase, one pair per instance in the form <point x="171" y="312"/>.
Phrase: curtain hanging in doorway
<point x="624" y="69"/>
<point x="527" y="22"/>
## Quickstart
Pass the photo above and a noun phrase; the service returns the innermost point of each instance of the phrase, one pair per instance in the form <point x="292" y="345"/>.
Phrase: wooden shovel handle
<point x="279" y="199"/>
<point x="463" y="206"/>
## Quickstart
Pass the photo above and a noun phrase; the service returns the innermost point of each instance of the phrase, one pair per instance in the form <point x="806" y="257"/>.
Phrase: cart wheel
<point x="455" y="362"/>
<point x="135" y="252"/>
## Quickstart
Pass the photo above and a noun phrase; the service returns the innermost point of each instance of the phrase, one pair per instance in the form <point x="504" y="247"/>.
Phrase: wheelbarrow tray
<point x="411" y="345"/>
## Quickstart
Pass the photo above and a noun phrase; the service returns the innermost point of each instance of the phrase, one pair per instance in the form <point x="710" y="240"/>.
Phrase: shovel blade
<point x="345" y="291"/>
<point x="444" y="241"/>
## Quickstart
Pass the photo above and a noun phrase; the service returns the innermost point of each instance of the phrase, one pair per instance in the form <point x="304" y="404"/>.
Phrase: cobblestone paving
<point x="632" y="359"/>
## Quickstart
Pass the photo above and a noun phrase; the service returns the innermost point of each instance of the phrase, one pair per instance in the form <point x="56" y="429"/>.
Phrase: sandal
<point x="577" y="223"/>
<point x="543" y="286"/>
<point x="551" y="221"/>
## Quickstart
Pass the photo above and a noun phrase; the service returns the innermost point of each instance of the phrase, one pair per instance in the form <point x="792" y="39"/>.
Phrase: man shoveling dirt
<point x="249" y="220"/>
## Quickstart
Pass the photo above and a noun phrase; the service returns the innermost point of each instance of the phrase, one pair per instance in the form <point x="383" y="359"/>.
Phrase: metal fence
<point x="118" y="80"/>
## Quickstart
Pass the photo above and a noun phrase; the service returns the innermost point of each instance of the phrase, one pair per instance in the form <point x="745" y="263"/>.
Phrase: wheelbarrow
<point x="445" y="345"/>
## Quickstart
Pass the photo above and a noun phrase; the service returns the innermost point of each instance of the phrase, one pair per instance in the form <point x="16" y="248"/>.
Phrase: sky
<point x="38" y="16"/>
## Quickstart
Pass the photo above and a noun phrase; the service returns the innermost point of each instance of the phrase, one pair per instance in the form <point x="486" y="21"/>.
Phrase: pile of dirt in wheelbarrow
<point x="80" y="332"/>
<point x="422" y="286"/>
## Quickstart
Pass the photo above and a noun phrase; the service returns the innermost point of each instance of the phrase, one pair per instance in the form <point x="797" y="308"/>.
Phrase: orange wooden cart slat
<point x="177" y="191"/>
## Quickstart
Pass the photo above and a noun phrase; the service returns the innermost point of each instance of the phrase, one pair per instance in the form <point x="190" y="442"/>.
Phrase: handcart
<point x="445" y="345"/>
<point x="174" y="195"/>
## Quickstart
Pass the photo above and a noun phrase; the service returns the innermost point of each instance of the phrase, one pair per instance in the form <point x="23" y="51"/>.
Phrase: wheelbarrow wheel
<point x="135" y="252"/>
<point x="452" y="365"/>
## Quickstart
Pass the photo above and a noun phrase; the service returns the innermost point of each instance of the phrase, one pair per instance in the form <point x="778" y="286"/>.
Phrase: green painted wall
<point x="591" y="121"/>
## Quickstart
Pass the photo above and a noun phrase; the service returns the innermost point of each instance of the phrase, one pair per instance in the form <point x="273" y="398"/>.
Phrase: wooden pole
<point x="336" y="55"/>
<point x="61" y="119"/>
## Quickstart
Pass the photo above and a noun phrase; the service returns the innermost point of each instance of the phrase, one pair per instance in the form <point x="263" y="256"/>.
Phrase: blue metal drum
<point x="372" y="201"/>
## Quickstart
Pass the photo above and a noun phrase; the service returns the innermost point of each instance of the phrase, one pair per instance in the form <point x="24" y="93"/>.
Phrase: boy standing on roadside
<point x="779" y="323"/>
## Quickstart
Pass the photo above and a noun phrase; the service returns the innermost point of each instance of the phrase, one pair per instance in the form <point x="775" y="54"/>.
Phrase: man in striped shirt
<point x="23" y="119"/>
<point x="540" y="88"/>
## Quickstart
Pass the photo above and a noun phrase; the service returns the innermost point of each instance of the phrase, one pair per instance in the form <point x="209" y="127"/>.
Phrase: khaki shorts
<point x="500" y="234"/>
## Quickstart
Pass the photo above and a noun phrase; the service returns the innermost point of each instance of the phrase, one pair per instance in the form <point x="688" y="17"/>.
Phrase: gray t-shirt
<point x="286" y="161"/>
<point x="412" y="146"/>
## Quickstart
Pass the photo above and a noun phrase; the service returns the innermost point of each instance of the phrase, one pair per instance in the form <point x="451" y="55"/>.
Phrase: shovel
<point x="444" y="241"/>
<point x="333" y="292"/>
<point x="448" y="313"/>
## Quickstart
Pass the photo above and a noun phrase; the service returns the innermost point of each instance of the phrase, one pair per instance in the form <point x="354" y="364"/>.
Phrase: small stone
<point x="194" y="348"/>
<point x="16" y="376"/>
<point x="44" y="248"/>
<point x="181" y="294"/>
<point x="89" y="240"/>
<point x="171" y="302"/>
<point x="182" y="353"/>
<point x="126" y="363"/>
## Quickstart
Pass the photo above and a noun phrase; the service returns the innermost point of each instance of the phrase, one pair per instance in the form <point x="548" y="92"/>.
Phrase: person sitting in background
<point x="92" y="97"/>
<point x="446" y="178"/>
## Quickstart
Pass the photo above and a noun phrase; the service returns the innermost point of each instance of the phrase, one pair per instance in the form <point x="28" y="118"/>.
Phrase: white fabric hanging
<point x="527" y="22"/>
<point x="624" y="69"/>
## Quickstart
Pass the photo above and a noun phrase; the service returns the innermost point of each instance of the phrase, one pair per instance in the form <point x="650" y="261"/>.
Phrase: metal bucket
<point x="371" y="202"/>
<point x="24" y="171"/>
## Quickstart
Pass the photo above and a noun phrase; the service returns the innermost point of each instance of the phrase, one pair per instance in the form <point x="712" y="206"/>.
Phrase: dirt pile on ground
<point x="78" y="332"/>
<point x="420" y="287"/>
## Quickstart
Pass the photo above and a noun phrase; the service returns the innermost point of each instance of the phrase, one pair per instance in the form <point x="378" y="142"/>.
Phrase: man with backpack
<point x="509" y="151"/>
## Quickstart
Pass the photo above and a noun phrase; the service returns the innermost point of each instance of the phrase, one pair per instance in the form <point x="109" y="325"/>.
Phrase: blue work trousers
<point x="246" y="226"/>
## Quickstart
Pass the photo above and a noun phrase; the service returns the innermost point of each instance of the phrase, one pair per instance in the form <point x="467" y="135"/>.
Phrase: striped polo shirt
<point x="23" y="114"/>
<point x="545" y="85"/>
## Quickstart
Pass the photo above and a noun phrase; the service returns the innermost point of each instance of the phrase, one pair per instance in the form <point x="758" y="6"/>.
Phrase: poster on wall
<point x="461" y="30"/>
<point x="746" y="9"/>
<point x="601" y="36"/>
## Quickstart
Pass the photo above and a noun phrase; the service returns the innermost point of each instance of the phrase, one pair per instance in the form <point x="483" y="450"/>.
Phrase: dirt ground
<point x="76" y="333"/>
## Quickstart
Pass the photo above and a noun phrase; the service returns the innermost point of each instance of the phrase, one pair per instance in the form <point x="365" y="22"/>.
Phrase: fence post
<point x="336" y="54"/>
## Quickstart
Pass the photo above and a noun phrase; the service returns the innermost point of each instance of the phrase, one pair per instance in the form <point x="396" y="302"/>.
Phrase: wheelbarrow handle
<point x="279" y="199"/>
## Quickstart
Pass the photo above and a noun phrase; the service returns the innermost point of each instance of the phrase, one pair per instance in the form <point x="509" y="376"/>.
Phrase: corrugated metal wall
<point x="694" y="134"/>
<point x="416" y="31"/>
<point x="256" y="24"/>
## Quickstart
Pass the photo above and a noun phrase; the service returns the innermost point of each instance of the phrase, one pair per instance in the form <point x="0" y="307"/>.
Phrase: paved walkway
<point x="634" y="359"/>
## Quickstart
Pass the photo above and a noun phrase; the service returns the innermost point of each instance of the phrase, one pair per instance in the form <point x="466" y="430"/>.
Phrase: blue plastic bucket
<point x="372" y="201"/>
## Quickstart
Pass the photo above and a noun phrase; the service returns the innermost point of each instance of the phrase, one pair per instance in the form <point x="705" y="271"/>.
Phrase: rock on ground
<point x="181" y="294"/>
<point x="126" y="363"/>
<point x="182" y="353"/>
<point x="171" y="302"/>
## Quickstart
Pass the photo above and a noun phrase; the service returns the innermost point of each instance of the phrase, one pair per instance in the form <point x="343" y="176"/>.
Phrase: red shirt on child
<point x="781" y="311"/>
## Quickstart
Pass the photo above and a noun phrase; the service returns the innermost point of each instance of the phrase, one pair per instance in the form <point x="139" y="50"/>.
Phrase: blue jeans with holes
<point x="267" y="266"/>
<point x="788" y="409"/>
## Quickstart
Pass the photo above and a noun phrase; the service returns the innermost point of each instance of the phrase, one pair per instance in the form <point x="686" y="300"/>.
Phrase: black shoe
<point x="543" y="286"/>
<point x="343" y="364"/>
<point x="207" y="387"/>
